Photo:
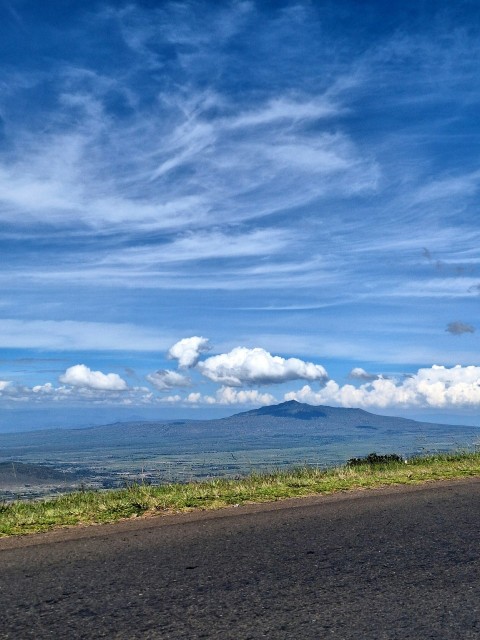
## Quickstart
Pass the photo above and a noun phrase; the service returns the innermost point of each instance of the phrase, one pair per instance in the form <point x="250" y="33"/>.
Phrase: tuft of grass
<point x="95" y="507"/>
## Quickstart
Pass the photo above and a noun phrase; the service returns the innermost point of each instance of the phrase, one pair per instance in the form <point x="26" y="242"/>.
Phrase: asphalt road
<point x="394" y="563"/>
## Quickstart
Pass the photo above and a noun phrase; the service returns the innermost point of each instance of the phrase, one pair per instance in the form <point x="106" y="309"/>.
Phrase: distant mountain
<point x="302" y="411"/>
<point x="302" y="417"/>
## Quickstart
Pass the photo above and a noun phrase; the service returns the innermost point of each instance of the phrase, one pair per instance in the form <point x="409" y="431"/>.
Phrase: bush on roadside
<point x="375" y="459"/>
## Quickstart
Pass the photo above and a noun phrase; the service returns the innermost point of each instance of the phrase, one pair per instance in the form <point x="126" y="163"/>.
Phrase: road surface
<point x="383" y="564"/>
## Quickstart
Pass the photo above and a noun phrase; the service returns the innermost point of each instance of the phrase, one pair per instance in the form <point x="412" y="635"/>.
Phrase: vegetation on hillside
<point x="93" y="507"/>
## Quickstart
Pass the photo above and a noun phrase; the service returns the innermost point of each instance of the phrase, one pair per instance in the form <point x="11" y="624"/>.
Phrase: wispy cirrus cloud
<point x="154" y="171"/>
<point x="70" y="335"/>
<point x="448" y="188"/>
<point x="68" y="177"/>
<point x="202" y="245"/>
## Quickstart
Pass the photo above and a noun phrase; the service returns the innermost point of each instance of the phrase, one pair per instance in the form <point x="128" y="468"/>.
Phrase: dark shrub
<point x="374" y="459"/>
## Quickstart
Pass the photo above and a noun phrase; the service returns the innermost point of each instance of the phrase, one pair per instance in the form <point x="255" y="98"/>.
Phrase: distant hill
<point x="20" y="473"/>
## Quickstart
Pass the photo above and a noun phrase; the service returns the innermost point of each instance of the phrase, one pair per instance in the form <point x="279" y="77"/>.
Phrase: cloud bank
<point x="228" y="396"/>
<point x="439" y="387"/>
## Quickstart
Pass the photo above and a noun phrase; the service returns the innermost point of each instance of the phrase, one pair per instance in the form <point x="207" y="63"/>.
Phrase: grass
<point x="94" y="507"/>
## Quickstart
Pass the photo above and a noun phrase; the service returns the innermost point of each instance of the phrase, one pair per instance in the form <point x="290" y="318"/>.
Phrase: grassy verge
<point x="90" y="507"/>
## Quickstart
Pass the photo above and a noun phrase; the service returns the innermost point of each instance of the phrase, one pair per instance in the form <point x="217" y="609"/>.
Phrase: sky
<point x="207" y="207"/>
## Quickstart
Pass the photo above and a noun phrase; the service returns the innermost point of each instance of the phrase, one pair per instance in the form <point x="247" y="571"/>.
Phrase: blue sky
<point x="210" y="206"/>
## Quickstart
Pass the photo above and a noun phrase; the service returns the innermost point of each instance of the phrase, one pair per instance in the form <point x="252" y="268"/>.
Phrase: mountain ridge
<point x="298" y="410"/>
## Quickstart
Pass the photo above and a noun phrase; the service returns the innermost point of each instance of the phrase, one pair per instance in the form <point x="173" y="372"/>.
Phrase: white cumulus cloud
<point x="257" y="366"/>
<point x="188" y="350"/>
<point x="357" y="373"/>
<point x="173" y="399"/>
<point x="227" y="395"/>
<point x="437" y="387"/>
<point x="167" y="379"/>
<point x="44" y="389"/>
<point x="81" y="376"/>
<point x="194" y="398"/>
